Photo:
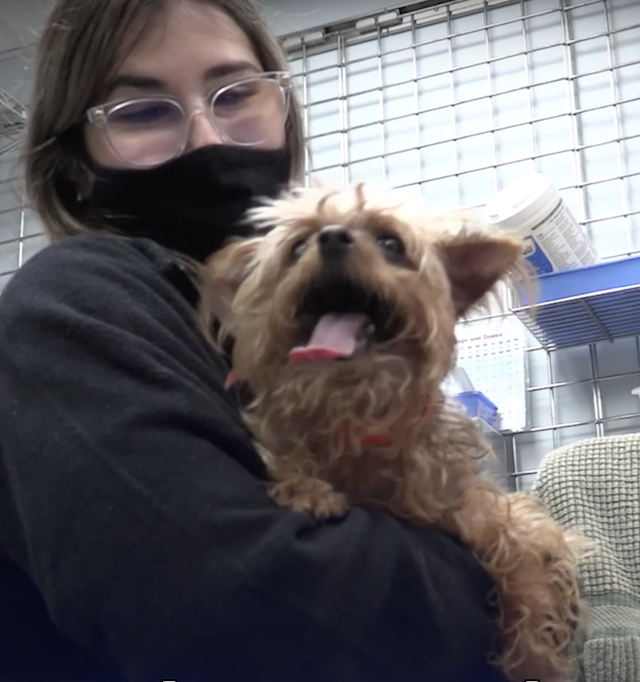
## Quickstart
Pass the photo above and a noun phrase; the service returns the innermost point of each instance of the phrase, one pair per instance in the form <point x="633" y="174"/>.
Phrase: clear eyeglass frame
<point x="98" y="115"/>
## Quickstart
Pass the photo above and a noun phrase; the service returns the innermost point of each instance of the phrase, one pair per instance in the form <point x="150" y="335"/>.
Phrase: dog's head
<point x="351" y="292"/>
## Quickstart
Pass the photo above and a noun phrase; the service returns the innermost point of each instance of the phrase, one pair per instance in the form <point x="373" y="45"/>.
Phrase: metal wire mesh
<point x="451" y="103"/>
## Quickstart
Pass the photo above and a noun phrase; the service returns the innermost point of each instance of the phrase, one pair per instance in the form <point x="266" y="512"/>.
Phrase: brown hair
<point x="78" y="52"/>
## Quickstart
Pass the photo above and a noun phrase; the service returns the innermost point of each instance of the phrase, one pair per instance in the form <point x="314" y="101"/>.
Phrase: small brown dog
<point x="343" y="319"/>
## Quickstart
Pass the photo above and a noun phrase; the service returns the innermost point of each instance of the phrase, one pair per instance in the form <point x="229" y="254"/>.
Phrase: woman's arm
<point x="125" y="469"/>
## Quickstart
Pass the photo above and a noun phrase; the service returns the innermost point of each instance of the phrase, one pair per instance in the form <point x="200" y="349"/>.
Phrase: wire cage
<point x="449" y="102"/>
<point x="20" y="232"/>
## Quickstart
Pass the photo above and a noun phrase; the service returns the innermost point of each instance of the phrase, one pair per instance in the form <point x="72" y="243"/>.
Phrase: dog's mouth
<point x="342" y="320"/>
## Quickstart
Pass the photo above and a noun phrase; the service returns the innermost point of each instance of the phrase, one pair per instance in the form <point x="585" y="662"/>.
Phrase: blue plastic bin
<point x="476" y="404"/>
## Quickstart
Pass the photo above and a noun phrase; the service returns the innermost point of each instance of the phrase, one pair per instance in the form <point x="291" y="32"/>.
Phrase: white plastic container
<point x="532" y="207"/>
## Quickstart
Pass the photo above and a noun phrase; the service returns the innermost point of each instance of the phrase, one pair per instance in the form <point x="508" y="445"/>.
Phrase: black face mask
<point x="193" y="203"/>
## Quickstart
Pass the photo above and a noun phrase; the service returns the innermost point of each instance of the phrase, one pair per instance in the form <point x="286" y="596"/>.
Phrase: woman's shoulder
<point x="85" y="252"/>
<point x="89" y="294"/>
<point x="93" y="265"/>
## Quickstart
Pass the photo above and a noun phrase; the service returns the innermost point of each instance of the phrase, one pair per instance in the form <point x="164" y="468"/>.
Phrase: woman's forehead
<point x="193" y="38"/>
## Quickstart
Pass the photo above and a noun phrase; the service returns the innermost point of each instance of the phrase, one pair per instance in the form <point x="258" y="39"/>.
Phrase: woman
<point x="137" y="540"/>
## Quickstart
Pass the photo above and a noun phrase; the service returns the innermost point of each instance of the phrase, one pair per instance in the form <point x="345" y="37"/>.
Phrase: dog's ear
<point x="475" y="262"/>
<point x="223" y="273"/>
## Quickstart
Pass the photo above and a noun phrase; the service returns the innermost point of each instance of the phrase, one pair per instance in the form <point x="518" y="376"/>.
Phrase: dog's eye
<point x="390" y="244"/>
<point x="297" y="249"/>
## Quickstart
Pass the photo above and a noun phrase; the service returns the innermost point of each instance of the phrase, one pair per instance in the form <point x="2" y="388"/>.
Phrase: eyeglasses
<point x="147" y="131"/>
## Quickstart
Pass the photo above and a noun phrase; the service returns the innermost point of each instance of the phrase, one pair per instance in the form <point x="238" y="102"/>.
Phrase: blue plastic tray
<point x="595" y="303"/>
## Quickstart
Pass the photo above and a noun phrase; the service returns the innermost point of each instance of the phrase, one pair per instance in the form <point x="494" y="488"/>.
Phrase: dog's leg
<point x="534" y="570"/>
<point x="311" y="495"/>
<point x="300" y="492"/>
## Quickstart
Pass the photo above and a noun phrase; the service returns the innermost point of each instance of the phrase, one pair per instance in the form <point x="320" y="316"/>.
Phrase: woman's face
<point x="193" y="51"/>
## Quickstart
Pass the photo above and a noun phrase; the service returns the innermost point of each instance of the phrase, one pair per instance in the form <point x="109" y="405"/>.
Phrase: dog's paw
<point x="310" y="495"/>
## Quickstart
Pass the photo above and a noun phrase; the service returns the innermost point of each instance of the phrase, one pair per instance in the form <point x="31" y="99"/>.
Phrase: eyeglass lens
<point x="148" y="132"/>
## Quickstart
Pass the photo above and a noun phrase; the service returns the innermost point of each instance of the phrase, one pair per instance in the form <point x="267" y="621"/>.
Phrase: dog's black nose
<point x="334" y="240"/>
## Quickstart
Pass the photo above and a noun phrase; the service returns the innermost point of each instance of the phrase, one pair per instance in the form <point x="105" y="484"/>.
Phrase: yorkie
<point x="342" y="317"/>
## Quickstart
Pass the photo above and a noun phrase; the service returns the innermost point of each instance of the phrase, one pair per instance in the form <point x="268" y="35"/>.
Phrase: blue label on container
<point x="536" y="256"/>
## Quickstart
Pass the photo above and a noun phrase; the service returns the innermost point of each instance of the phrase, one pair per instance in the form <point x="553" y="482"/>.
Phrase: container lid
<point x="522" y="200"/>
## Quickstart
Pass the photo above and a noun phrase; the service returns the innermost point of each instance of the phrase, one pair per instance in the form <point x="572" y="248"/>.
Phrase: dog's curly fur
<point x="314" y="421"/>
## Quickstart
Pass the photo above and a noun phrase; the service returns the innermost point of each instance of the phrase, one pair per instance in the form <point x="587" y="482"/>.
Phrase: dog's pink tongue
<point x="335" y="336"/>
